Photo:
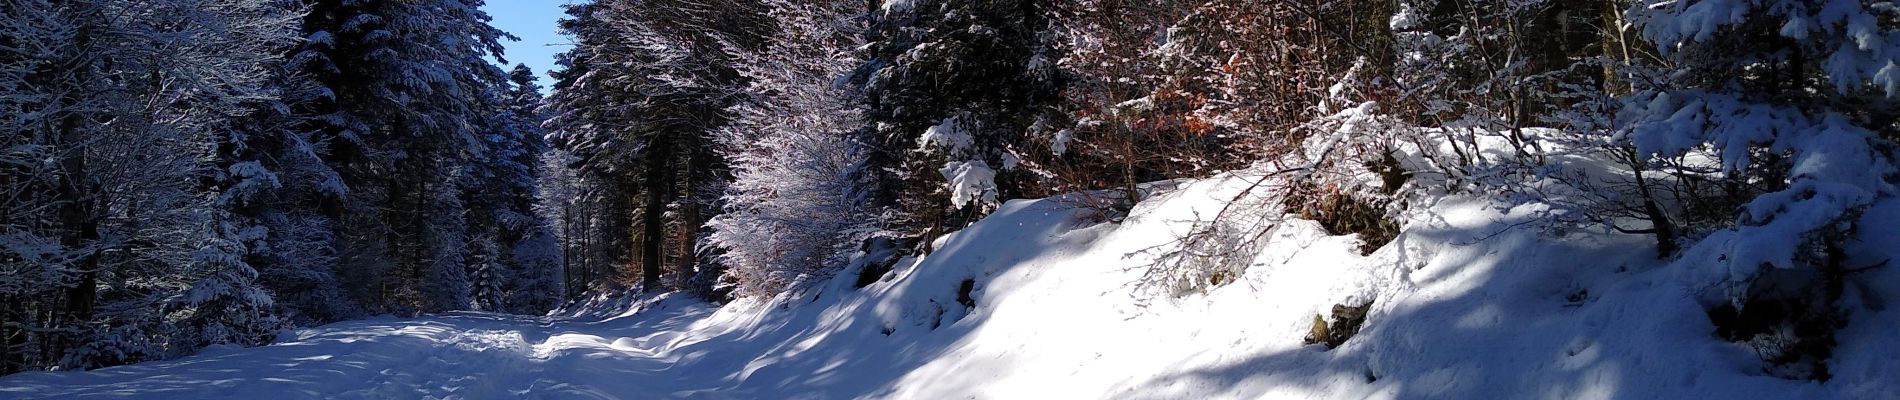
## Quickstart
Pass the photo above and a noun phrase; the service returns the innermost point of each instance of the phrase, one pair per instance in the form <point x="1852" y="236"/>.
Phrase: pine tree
<point x="1797" y="105"/>
<point x="485" y="272"/>
<point x="228" y="305"/>
<point x="585" y="110"/>
<point x="180" y="173"/>
<point x="951" y="87"/>
<point x="406" y="87"/>
<point x="648" y="83"/>
<point x="501" y="191"/>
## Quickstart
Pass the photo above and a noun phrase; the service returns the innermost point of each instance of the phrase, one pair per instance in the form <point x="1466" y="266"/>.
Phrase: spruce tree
<point x="951" y="87"/>
<point x="1796" y="105"/>
<point x="406" y="84"/>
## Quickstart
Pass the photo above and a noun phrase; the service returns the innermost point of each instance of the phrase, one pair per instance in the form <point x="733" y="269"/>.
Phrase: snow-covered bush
<point x="1797" y="119"/>
<point x="792" y="208"/>
<point x="1791" y="104"/>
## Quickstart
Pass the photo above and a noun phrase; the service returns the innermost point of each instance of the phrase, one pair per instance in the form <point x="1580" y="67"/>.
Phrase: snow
<point x="949" y="135"/>
<point x="970" y="181"/>
<point x="321" y="38"/>
<point x="1463" y="306"/>
<point x="1059" y="144"/>
<point x="41" y="261"/>
<point x="897" y="6"/>
<point x="1859" y="51"/>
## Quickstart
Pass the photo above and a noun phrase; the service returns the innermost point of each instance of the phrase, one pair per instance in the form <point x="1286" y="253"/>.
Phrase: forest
<point x="177" y="174"/>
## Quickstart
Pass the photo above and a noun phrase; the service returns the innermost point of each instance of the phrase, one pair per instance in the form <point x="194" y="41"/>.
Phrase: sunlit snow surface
<point x="1466" y="308"/>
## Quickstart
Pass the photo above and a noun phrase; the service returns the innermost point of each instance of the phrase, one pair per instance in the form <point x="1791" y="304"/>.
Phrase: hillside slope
<point x="1469" y="302"/>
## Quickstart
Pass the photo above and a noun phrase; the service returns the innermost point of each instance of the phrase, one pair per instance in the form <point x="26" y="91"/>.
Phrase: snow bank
<point x="1040" y="300"/>
<point x="1463" y="306"/>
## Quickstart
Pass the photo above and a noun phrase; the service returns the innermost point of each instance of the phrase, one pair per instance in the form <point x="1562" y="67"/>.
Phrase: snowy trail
<point x="460" y="355"/>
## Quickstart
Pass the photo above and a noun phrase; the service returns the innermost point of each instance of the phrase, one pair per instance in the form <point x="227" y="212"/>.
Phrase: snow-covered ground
<point x="1463" y="306"/>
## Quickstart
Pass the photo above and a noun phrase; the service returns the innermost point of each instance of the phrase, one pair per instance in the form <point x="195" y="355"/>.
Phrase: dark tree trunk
<point x="689" y="223"/>
<point x="567" y="251"/>
<point x="1663" y="229"/>
<point x="652" y="216"/>
<point x="76" y="211"/>
<point x="11" y="339"/>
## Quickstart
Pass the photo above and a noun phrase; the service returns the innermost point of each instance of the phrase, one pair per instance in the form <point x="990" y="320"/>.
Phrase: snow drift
<point x="1044" y="299"/>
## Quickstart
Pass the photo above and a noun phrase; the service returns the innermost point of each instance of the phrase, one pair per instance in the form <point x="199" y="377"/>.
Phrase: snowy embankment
<point x="1462" y="306"/>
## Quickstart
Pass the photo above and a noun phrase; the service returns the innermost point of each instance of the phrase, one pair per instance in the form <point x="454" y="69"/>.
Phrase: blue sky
<point x="533" y="21"/>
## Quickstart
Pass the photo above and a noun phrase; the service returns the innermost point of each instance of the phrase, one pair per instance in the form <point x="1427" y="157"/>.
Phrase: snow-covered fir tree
<point x="1793" y="108"/>
<point x="647" y="85"/>
<point x="950" y="88"/>
<point x="407" y="86"/>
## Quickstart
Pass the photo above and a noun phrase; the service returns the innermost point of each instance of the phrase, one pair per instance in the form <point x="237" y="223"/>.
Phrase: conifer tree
<point x="407" y="85"/>
<point x="1798" y="106"/>
<point x="951" y="87"/>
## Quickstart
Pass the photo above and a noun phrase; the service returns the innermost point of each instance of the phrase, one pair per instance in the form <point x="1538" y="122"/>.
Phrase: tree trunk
<point x="1662" y="228"/>
<point x="1610" y="21"/>
<point x="76" y="194"/>
<point x="417" y="249"/>
<point x="689" y="223"/>
<point x="1131" y="185"/>
<point x="584" y="249"/>
<point x="11" y="339"/>
<point x="567" y="251"/>
<point x="653" y="223"/>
